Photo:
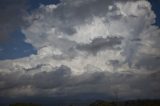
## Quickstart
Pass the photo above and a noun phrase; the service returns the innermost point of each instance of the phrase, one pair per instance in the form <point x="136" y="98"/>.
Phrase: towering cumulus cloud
<point x="88" y="47"/>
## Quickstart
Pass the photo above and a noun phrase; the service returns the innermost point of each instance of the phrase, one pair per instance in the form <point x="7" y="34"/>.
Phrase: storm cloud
<point x="90" y="46"/>
<point x="12" y="13"/>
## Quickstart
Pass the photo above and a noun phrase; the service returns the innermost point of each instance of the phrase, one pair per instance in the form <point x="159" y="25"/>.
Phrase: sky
<point x="79" y="49"/>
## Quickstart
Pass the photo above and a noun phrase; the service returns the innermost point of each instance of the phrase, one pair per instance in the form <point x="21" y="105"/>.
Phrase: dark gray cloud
<point x="100" y="44"/>
<point x="42" y="80"/>
<point x="115" y="63"/>
<point x="78" y="16"/>
<point x="149" y="62"/>
<point x="39" y="66"/>
<point x="65" y="84"/>
<point x="13" y="80"/>
<point x="56" y="78"/>
<point x="11" y="13"/>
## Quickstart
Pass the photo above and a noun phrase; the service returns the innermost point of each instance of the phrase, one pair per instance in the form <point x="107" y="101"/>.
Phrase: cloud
<point x="99" y="44"/>
<point x="54" y="79"/>
<point x="59" y="81"/>
<point x="87" y="46"/>
<point x="11" y="16"/>
<point x="149" y="62"/>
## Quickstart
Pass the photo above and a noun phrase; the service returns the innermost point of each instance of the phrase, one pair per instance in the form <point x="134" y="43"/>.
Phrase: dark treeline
<point x="106" y="103"/>
<point x="24" y="104"/>
<point x="127" y="103"/>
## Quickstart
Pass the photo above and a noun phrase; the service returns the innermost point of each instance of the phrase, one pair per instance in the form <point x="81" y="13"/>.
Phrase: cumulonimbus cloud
<point x="86" y="46"/>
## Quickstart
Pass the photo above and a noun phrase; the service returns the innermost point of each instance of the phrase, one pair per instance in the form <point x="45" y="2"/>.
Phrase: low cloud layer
<point x="60" y="82"/>
<point x="90" y="46"/>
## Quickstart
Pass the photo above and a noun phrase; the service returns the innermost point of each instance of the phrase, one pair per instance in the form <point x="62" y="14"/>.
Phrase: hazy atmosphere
<point x="79" y="50"/>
